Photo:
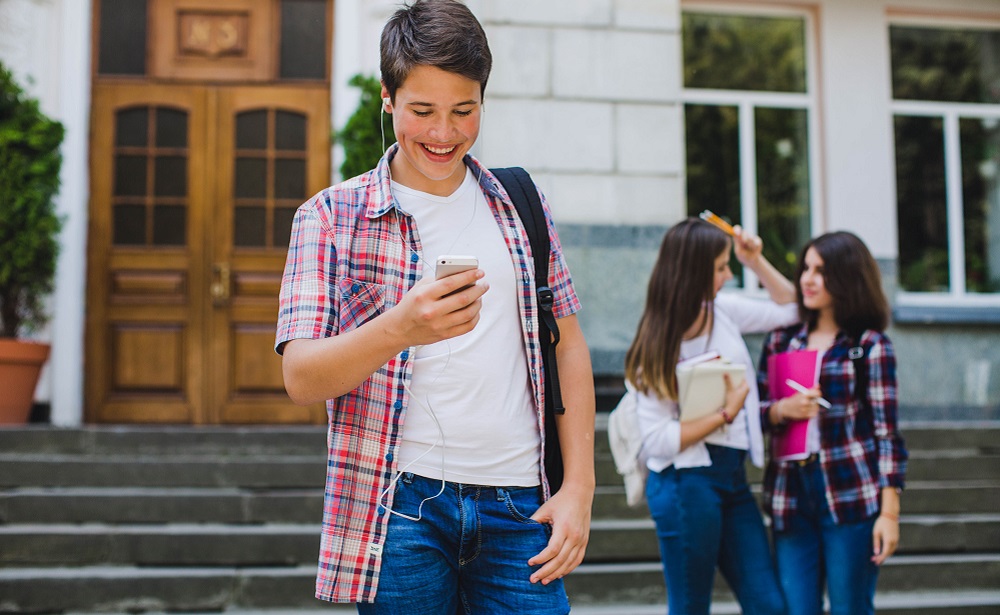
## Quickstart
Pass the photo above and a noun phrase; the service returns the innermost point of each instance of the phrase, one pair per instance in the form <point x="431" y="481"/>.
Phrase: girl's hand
<point x="885" y="538"/>
<point x="735" y="396"/>
<point x="747" y="246"/>
<point x="799" y="406"/>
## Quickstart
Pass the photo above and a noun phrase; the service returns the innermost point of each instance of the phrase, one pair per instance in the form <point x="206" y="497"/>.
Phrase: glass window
<point x="945" y="65"/>
<point x="946" y="90"/>
<point x="303" y="39"/>
<point x="748" y="112"/>
<point x="740" y="52"/>
<point x="122" y="48"/>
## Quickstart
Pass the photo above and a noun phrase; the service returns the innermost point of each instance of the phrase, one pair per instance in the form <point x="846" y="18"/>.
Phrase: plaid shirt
<point x="352" y="255"/>
<point x="861" y="449"/>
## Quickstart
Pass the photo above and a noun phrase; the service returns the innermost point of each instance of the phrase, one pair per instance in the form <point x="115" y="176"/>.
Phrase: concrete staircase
<point x="170" y="519"/>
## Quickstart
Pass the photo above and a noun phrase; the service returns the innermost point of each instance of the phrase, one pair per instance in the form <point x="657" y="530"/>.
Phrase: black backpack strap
<point x="524" y="195"/>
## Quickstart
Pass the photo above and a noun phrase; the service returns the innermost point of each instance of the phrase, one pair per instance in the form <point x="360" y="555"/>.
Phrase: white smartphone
<point x="450" y="264"/>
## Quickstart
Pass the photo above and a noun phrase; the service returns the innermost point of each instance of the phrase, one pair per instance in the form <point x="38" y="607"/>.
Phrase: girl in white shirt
<point x="697" y="490"/>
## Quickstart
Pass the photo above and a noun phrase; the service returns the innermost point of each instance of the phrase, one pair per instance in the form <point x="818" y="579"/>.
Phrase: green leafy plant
<point x="29" y="226"/>
<point x="361" y="137"/>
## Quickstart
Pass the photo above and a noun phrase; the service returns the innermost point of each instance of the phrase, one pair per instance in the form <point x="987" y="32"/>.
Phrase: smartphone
<point x="450" y="264"/>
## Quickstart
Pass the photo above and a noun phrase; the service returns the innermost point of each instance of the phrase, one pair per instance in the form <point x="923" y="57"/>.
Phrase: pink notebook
<point x="798" y="365"/>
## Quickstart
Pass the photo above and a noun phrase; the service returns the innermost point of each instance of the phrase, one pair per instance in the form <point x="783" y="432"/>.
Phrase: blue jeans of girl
<point x="467" y="553"/>
<point x="707" y="518"/>
<point x="813" y="550"/>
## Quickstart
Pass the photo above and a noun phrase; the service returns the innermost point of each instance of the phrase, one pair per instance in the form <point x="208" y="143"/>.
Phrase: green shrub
<point x="29" y="226"/>
<point x="361" y="136"/>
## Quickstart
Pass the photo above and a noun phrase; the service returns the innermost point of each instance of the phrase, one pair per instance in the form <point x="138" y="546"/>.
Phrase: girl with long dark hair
<point x="835" y="514"/>
<point x="697" y="491"/>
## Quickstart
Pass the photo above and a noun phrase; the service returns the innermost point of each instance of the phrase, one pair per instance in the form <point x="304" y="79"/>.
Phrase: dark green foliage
<point x="361" y="136"/>
<point x="29" y="226"/>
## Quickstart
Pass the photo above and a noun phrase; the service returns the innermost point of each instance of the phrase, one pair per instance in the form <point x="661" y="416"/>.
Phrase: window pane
<point x="980" y="141"/>
<point x="123" y="38"/>
<point x="251" y="130"/>
<point x="250" y="227"/>
<point x="290" y="131"/>
<point x="171" y="176"/>
<point x="283" y="217"/>
<point x="289" y="179"/>
<point x="131" y="126"/>
<point x="945" y="65"/>
<point x="921" y="204"/>
<point x="130" y="175"/>
<point x="129" y="225"/>
<point x="713" y="160"/>
<point x="733" y="52"/>
<point x="169" y="225"/>
<point x="712" y="141"/>
<point x="303" y="39"/>
<point x="782" y="145"/>
<point x="171" y="128"/>
<point x="251" y="178"/>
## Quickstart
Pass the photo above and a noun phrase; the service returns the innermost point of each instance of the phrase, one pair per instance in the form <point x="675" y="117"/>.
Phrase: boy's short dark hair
<point x="440" y="33"/>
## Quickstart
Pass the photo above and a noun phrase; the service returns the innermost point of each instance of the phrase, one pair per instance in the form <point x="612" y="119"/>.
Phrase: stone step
<point x="259" y="472"/>
<point x="642" y="583"/>
<point x="922" y="466"/>
<point x="295" y="471"/>
<point x="165" y="440"/>
<point x="239" y="506"/>
<point x="981" y="437"/>
<point x="138" y="589"/>
<point x="178" y="544"/>
<point x="978" y="437"/>
<point x="920" y="497"/>
<point x="925" y="603"/>
<point x="160" y="505"/>
<point x="635" y="540"/>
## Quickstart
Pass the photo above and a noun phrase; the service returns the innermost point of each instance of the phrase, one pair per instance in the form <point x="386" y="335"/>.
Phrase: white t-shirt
<point x="734" y="315"/>
<point x="471" y="418"/>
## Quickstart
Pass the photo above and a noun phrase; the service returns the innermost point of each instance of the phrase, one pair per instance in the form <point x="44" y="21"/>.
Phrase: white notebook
<point x="701" y="389"/>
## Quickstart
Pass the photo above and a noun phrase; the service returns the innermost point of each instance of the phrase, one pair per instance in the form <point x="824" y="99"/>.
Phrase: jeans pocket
<point x="521" y="502"/>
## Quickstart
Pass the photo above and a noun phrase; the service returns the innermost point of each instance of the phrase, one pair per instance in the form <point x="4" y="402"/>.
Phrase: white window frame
<point x="747" y="101"/>
<point x="950" y="114"/>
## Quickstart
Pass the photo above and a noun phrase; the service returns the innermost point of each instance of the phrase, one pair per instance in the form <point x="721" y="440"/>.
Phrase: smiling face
<point x="436" y="116"/>
<point x="722" y="271"/>
<point x="812" y="283"/>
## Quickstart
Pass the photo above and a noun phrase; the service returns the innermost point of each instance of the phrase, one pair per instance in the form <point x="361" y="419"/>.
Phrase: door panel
<point x="273" y="153"/>
<point x="145" y="294"/>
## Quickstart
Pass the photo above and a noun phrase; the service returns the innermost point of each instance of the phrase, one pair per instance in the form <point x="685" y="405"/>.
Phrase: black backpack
<point x="524" y="195"/>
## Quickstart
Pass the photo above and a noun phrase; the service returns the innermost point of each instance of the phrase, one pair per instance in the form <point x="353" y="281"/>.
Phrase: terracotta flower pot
<point x="20" y="364"/>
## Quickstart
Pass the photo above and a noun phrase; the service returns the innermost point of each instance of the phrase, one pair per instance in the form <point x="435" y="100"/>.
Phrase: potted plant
<point x="29" y="228"/>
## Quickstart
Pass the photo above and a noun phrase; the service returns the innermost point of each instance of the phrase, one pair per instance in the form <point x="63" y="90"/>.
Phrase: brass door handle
<point x="221" y="284"/>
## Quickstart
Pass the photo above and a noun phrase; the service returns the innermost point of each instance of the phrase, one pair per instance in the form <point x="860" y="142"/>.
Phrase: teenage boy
<point x="436" y="497"/>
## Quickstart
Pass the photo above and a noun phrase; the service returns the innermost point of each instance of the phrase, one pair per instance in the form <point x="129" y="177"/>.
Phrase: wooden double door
<point x="193" y="191"/>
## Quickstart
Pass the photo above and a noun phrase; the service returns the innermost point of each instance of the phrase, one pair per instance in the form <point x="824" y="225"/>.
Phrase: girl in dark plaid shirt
<point x="835" y="515"/>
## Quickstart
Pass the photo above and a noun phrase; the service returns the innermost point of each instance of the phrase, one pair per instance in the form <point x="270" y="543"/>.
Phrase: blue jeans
<point x="468" y="553"/>
<point x="813" y="548"/>
<point x="707" y="517"/>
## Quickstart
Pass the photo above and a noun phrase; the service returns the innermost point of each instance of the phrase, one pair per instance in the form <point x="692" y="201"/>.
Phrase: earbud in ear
<point x="387" y="102"/>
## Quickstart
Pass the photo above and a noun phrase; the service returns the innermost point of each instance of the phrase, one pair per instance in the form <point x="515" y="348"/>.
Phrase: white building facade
<point x="792" y="118"/>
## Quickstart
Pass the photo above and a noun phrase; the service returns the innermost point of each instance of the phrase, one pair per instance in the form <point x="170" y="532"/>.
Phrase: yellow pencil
<point x="718" y="222"/>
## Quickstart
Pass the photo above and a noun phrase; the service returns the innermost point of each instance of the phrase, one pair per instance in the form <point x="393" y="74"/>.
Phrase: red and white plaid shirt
<point x="352" y="255"/>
